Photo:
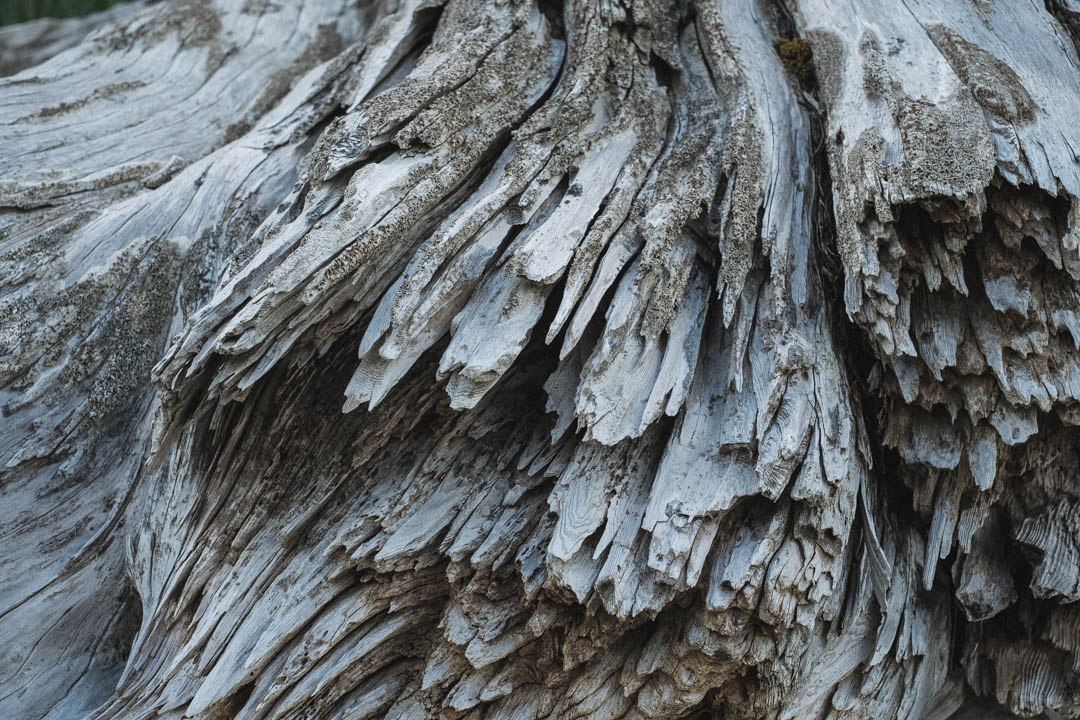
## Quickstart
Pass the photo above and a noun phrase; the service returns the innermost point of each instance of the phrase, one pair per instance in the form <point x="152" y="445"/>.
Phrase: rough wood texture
<point x="490" y="360"/>
<point x="32" y="43"/>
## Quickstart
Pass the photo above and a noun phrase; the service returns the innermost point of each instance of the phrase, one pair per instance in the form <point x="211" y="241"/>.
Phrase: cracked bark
<point x="542" y="360"/>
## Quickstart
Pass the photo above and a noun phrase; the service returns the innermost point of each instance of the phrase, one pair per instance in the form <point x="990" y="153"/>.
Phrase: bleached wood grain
<point x="425" y="359"/>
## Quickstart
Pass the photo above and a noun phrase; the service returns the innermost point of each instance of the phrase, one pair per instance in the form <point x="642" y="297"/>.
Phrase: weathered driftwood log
<point x="540" y="359"/>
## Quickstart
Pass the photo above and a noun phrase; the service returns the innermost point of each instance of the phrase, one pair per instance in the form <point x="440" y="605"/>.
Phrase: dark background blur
<point x="16" y="11"/>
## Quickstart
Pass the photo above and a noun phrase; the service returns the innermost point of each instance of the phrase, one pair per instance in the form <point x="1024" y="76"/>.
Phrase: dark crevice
<point x="232" y="705"/>
<point x="861" y="364"/>
<point x="1069" y="19"/>
<point x="129" y="620"/>
<point x="665" y="74"/>
<point x="862" y="367"/>
<point x="552" y="11"/>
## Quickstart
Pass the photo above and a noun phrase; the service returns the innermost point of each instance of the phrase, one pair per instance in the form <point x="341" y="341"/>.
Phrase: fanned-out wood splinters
<point x="541" y="360"/>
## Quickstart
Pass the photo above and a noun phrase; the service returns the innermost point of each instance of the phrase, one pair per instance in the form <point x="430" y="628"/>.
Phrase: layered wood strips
<point x="532" y="359"/>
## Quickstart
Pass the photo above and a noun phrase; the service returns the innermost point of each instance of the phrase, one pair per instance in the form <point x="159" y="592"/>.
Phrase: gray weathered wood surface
<point x="519" y="359"/>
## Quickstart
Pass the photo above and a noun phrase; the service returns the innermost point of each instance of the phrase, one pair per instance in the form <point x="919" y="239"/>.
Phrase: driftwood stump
<point x="529" y="359"/>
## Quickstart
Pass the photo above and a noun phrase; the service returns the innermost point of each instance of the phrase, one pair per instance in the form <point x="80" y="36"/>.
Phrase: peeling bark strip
<point x="479" y="360"/>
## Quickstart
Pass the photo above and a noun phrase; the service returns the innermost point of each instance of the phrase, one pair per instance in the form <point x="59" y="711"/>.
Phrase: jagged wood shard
<point x="528" y="359"/>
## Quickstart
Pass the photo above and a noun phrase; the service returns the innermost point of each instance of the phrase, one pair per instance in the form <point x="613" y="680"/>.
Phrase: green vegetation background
<point x="16" y="11"/>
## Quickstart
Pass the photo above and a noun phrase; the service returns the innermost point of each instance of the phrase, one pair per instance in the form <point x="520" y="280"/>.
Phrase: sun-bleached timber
<point x="523" y="359"/>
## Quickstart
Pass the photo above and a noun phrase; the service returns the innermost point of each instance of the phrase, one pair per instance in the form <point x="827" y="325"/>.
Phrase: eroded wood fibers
<point x="464" y="360"/>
